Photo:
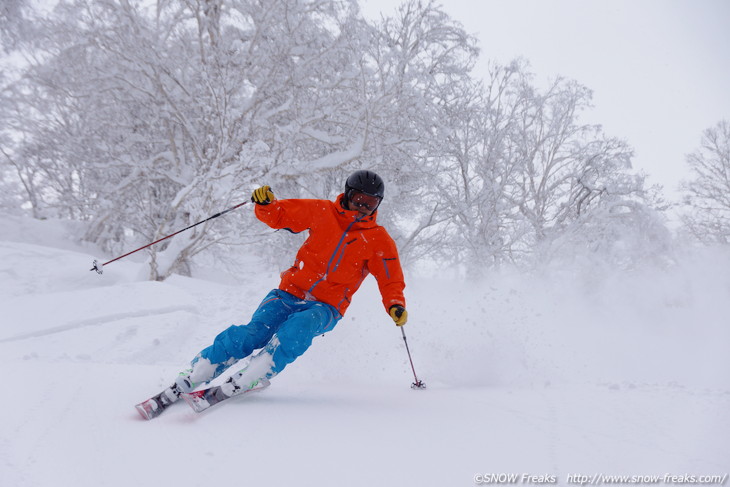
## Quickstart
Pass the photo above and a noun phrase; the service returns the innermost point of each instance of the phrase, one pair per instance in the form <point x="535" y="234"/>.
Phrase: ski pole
<point x="98" y="267"/>
<point x="419" y="383"/>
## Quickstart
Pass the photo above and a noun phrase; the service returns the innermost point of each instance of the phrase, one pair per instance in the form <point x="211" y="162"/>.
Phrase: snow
<point x="551" y="375"/>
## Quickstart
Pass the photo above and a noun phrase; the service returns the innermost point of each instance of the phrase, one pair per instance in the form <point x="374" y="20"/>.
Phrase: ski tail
<point x="156" y="405"/>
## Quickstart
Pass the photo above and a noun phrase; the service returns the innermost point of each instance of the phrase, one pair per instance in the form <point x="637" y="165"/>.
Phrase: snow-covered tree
<point x="617" y="233"/>
<point x="521" y="167"/>
<point x="478" y="167"/>
<point x="385" y="113"/>
<point x="420" y="62"/>
<point x="142" y="118"/>
<point x="707" y="201"/>
<point x="563" y="163"/>
<point x="13" y="23"/>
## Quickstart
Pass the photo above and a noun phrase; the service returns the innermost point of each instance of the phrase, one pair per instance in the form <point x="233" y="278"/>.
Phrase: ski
<point x="203" y="399"/>
<point x="156" y="405"/>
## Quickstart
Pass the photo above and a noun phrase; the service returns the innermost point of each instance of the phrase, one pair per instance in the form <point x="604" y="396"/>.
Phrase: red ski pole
<point x="98" y="267"/>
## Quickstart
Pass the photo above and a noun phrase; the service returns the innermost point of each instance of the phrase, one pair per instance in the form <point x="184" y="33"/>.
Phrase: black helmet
<point x="364" y="181"/>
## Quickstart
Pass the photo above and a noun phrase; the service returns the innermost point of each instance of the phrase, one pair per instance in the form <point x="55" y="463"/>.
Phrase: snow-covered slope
<point x="551" y="376"/>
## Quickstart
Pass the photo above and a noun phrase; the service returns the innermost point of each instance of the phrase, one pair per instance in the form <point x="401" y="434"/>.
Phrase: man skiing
<point x="344" y="245"/>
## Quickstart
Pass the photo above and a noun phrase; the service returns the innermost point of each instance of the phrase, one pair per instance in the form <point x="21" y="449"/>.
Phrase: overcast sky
<point x="659" y="69"/>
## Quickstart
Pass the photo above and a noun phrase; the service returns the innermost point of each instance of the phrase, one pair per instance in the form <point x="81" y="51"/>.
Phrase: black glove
<point x="399" y="314"/>
<point x="263" y="195"/>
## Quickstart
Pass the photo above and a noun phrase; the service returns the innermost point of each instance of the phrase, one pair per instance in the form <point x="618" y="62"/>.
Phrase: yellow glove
<point x="263" y="195"/>
<point x="399" y="314"/>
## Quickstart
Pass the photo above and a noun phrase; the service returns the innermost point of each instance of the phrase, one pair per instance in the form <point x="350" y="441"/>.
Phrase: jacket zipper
<point x="337" y="248"/>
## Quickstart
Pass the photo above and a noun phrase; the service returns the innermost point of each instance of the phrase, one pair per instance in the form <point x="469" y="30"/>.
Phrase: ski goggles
<point x="364" y="200"/>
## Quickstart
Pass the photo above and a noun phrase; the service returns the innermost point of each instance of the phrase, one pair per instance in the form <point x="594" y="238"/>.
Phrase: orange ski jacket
<point x="342" y="248"/>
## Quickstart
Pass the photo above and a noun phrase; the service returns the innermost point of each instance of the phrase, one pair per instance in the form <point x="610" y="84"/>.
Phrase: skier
<point x="344" y="244"/>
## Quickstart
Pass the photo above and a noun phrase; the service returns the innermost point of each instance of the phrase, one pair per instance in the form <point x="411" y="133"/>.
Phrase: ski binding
<point x="203" y="399"/>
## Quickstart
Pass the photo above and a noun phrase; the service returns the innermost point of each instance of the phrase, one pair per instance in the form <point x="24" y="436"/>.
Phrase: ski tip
<point x="150" y="409"/>
<point x="142" y="412"/>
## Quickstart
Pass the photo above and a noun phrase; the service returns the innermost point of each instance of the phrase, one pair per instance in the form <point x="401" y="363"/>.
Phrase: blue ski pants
<point x="283" y="325"/>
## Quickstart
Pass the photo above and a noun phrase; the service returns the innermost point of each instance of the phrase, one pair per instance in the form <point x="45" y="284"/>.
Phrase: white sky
<point x="659" y="69"/>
